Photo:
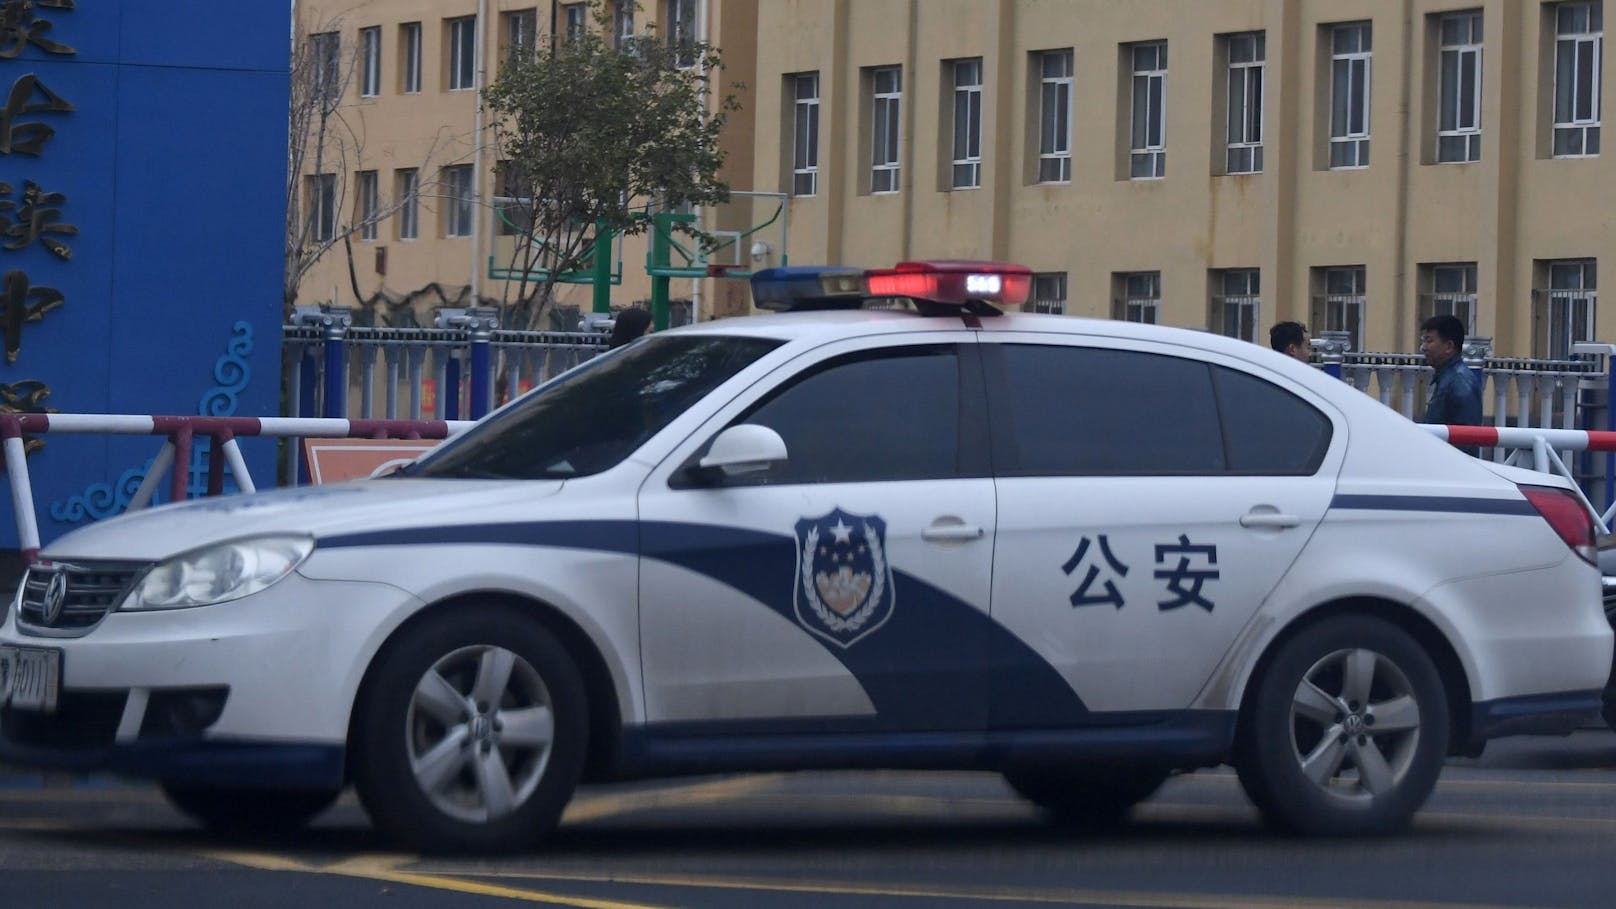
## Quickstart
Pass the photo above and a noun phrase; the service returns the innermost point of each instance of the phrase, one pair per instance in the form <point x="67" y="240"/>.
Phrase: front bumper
<point x="253" y="692"/>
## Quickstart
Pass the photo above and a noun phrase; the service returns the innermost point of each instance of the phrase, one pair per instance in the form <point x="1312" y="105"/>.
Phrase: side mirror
<point x="746" y="448"/>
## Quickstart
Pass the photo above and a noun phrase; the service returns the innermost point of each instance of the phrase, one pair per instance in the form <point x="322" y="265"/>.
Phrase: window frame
<point x="681" y="31"/>
<point x="622" y="22"/>
<point x="1147" y="154"/>
<point x="1343" y="311"/>
<point x="1342" y="134"/>
<point x="1145" y="303"/>
<point x="370" y="61"/>
<point x="967" y="154"/>
<point x="367" y="188"/>
<point x="1243" y="135"/>
<point x="1468" y="60"/>
<point x="1052" y="299"/>
<point x="462" y="56"/>
<point x="407" y="183"/>
<point x="1055" y="132"/>
<point x="322" y="203"/>
<point x="459" y="218"/>
<point x="325" y="50"/>
<point x="804" y="134"/>
<point x="1589" y="41"/>
<point x="886" y="132"/>
<point x="1568" y="308"/>
<point x="410" y="52"/>
<point x="1238" y="291"/>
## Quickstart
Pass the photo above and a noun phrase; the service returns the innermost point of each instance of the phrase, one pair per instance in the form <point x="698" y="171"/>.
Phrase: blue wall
<point x="173" y="165"/>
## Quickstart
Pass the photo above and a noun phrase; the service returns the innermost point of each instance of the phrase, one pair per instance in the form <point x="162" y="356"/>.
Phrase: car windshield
<point x="595" y="417"/>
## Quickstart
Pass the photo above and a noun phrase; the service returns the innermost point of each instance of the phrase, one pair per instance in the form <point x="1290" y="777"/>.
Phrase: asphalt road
<point x="1531" y="823"/>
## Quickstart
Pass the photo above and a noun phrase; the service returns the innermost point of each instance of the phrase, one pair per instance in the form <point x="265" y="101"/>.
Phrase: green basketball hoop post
<point x="603" y="268"/>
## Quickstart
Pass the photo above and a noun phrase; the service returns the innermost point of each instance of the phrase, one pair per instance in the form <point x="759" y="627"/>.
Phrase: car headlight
<point x="219" y="573"/>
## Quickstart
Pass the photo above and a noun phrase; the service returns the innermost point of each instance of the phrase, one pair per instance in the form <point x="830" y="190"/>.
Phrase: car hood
<point x="317" y="511"/>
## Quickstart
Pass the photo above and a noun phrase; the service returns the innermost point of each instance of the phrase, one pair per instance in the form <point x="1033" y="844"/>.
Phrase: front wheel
<point x="1347" y="730"/>
<point x="238" y="809"/>
<point x="1086" y="796"/>
<point x="471" y="732"/>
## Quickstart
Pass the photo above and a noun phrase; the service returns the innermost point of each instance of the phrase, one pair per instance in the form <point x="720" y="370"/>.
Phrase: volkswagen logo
<point x="55" y="599"/>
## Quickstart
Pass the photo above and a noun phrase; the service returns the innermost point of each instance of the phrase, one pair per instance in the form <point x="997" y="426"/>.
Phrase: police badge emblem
<point x="844" y="585"/>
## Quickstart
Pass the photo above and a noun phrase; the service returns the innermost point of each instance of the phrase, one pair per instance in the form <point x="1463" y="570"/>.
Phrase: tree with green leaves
<point x="593" y="132"/>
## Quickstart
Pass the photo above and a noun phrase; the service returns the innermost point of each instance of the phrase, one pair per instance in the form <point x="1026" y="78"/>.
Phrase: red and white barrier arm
<point x="1525" y="437"/>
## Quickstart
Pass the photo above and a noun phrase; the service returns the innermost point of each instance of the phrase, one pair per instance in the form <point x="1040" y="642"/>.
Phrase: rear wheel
<point x="1087" y="796"/>
<point x="471" y="733"/>
<point x="242" y="810"/>
<point x="1347" y="730"/>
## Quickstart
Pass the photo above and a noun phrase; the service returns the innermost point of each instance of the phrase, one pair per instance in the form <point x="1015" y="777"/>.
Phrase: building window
<point x="967" y="124"/>
<point x="622" y="22"/>
<point x="1579" y="43"/>
<point x="1564" y="313"/>
<point x="576" y="15"/>
<point x="886" y="126"/>
<point x="325" y="49"/>
<point x="804" y="133"/>
<point x="1341" y="307"/>
<point x="1147" y="149"/>
<point x="1140" y="297"/>
<point x="370" y="61"/>
<point x="1055" y="117"/>
<point x="1449" y="290"/>
<point x="1236" y="303"/>
<point x="681" y="29"/>
<point x="513" y="209"/>
<point x="1458" y="127"/>
<point x="1247" y="55"/>
<point x="462" y="53"/>
<point x="521" y="32"/>
<point x="407" y="183"/>
<point x="322" y="196"/>
<point x="369" y="201"/>
<point x="1048" y="294"/>
<point x="1350" y="47"/>
<point x="458" y="201"/>
<point x="409" y="49"/>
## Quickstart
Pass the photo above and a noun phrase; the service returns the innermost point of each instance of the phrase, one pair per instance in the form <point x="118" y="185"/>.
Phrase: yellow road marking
<point x="1130" y="898"/>
<point x="594" y="807"/>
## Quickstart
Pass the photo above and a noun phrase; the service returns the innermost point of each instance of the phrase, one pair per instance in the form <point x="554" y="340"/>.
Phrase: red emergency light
<point x="953" y="282"/>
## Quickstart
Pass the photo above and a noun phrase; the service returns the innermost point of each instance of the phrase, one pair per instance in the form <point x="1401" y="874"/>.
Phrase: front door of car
<point x="1149" y="500"/>
<point x="847" y="587"/>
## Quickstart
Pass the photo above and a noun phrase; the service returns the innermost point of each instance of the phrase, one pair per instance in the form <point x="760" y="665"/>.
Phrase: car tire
<point x="1088" y="797"/>
<point x="1347" y="730"/>
<point x="238" y="809"/>
<point x="471" y="732"/>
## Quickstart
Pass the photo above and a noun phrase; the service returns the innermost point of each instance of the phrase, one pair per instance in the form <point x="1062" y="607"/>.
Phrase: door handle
<point x="1269" y="519"/>
<point x="952" y="533"/>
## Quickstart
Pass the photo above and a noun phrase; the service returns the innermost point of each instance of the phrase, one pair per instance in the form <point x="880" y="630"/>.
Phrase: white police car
<point x="1086" y="554"/>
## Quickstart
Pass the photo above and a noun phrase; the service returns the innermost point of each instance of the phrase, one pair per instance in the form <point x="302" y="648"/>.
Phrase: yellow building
<point x="1352" y="164"/>
<point x="405" y="173"/>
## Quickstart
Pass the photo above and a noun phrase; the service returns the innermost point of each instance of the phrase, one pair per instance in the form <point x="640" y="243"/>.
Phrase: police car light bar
<point x="808" y="287"/>
<point x="953" y="282"/>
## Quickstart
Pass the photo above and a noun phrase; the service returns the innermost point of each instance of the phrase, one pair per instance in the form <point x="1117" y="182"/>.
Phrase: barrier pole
<point x="22" y="490"/>
<point x="481" y="369"/>
<point x="154" y="475"/>
<point x="179" y="478"/>
<point x="216" y="461"/>
<point x="238" y="465"/>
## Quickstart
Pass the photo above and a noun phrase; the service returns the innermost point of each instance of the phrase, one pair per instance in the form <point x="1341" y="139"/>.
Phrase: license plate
<point x="30" y="678"/>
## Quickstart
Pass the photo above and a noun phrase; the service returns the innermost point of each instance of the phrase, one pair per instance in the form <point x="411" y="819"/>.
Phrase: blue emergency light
<point x="808" y="287"/>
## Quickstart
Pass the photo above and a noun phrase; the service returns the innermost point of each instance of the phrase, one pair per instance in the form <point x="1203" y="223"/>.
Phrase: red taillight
<point x="1566" y="514"/>
<point x="953" y="282"/>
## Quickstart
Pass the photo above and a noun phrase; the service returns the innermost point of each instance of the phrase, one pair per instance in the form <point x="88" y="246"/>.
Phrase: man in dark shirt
<point x="1455" y="389"/>
<point x="1290" y="339"/>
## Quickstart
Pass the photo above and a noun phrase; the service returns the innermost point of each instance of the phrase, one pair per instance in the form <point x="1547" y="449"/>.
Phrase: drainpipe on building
<point x="477" y="151"/>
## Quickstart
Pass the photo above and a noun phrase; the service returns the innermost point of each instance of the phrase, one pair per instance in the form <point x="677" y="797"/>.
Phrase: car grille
<point x="91" y="590"/>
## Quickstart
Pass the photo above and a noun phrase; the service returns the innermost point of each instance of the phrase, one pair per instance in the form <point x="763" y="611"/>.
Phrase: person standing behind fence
<point x="629" y="324"/>
<point x="1290" y="339"/>
<point x="1455" y="389"/>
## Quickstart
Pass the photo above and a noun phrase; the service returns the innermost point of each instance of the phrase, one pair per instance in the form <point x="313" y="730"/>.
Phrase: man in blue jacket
<point x="1455" y="388"/>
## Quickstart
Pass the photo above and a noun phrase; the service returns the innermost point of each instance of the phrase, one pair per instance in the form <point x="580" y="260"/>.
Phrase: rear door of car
<point x="1150" y="497"/>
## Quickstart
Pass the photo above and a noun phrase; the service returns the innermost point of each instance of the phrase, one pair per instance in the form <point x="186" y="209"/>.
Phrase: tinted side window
<point x="1268" y="429"/>
<point x="881" y="415"/>
<point x="1076" y="411"/>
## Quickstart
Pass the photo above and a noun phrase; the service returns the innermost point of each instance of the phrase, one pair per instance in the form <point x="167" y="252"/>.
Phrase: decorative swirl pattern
<point x="232" y="372"/>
